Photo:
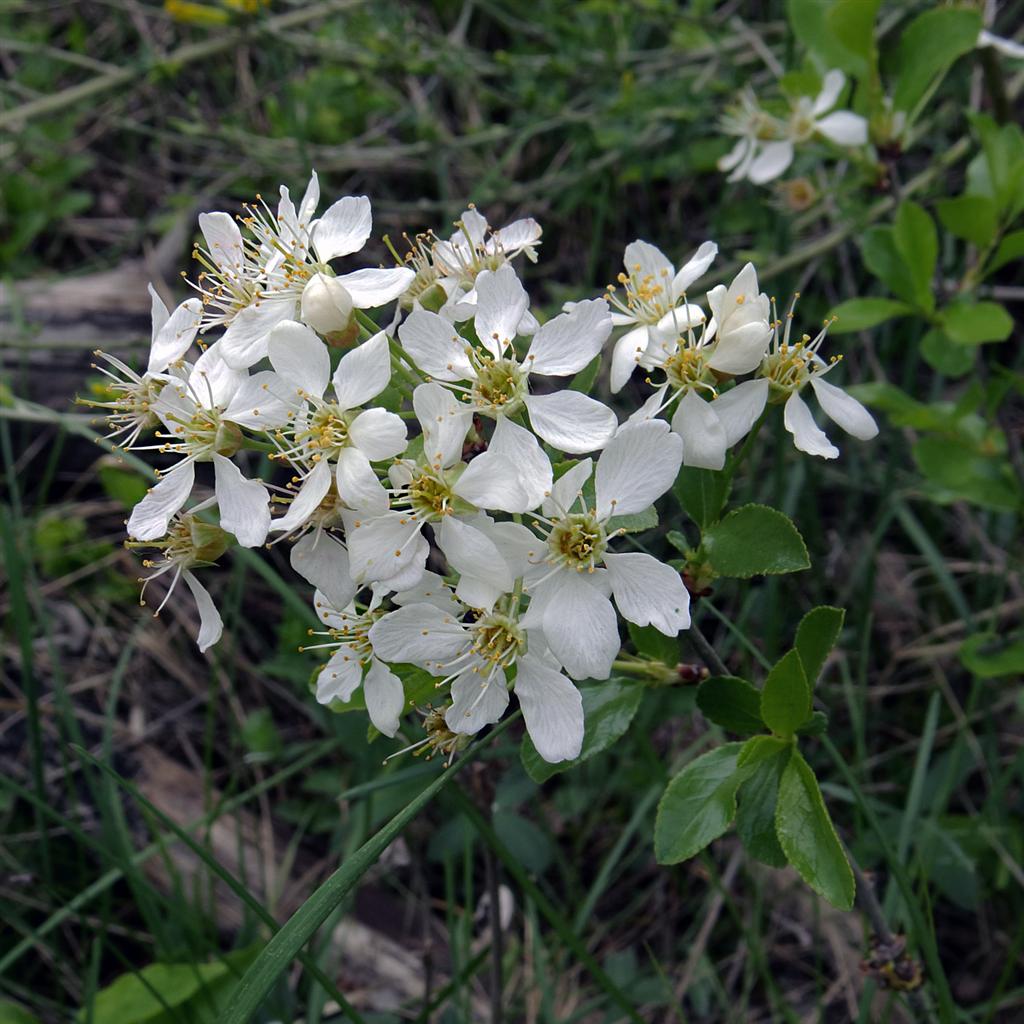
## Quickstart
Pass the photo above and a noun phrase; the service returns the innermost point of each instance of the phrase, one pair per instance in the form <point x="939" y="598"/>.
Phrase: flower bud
<point x="209" y="542"/>
<point x="327" y="306"/>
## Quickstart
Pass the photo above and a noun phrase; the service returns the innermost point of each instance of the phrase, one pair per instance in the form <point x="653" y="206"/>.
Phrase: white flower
<point x="568" y="586"/>
<point x="787" y="368"/>
<point x="189" y="543"/>
<point x="1007" y="47"/>
<point x="251" y="284"/>
<point x="653" y="302"/>
<point x="331" y="440"/>
<point x="131" y="410"/>
<point x="496" y="383"/>
<point x="475" y="656"/>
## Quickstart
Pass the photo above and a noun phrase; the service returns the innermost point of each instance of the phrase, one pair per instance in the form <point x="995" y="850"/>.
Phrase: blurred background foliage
<point x="119" y="121"/>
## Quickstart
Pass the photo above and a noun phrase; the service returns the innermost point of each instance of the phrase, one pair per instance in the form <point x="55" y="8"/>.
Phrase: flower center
<point x="648" y="297"/>
<point x="203" y="435"/>
<point x="684" y="368"/>
<point x="500" y="386"/>
<point x="498" y="639"/>
<point x="430" y="496"/>
<point x="577" y="541"/>
<point x="327" y="430"/>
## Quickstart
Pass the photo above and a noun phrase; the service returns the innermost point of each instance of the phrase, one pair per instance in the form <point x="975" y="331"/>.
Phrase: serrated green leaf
<point x="766" y="758"/>
<point x="943" y="354"/>
<point x="974" y="323"/>
<point x="972" y="218"/>
<point x="755" y="540"/>
<point x="608" y="710"/>
<point x="808" y="837"/>
<point x="786" y="697"/>
<point x="732" y="703"/>
<point x="928" y="48"/>
<point x="860" y="314"/>
<point x="702" y="493"/>
<point x="990" y="655"/>
<point x="816" y="725"/>
<point x="815" y="637"/>
<point x="698" y="805"/>
<point x="918" y="243"/>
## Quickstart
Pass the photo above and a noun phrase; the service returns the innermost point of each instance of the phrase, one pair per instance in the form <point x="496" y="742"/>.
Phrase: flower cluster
<point x="455" y="507"/>
<point x="766" y="143"/>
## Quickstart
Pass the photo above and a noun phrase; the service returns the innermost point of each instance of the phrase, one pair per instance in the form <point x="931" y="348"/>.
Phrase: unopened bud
<point x="209" y="542"/>
<point x="229" y="439"/>
<point x="327" y="306"/>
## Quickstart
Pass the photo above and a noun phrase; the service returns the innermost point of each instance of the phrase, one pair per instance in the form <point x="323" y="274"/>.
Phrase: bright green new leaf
<point x="808" y="837"/>
<point x="815" y="26"/>
<point x="860" y="314"/>
<point x="732" y="703"/>
<point x="1009" y="249"/>
<point x="755" y="540"/>
<point x="852" y="22"/>
<point x="990" y="655"/>
<point x="702" y="493"/>
<point x="698" y="805"/>
<point x="974" y="323"/>
<point x="766" y="758"/>
<point x="815" y="637"/>
<point x="946" y="356"/>
<point x="608" y="709"/>
<point x="972" y="218"/>
<point x="918" y="243"/>
<point x="786" y="697"/>
<point x="928" y="48"/>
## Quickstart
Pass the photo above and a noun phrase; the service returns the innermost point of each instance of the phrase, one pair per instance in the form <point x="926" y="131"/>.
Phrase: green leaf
<point x="918" y="243"/>
<point x="860" y="314"/>
<point x="947" y="357"/>
<point x="852" y="22"/>
<point x="786" y="697"/>
<point x="972" y="218"/>
<point x="974" y="323"/>
<point x="124" y="485"/>
<point x="990" y="655"/>
<point x="702" y="493"/>
<point x="808" y="837"/>
<point x="732" y="703"/>
<point x="697" y="805"/>
<point x="1010" y="248"/>
<point x="816" y="725"/>
<point x="885" y="261"/>
<point x="766" y="757"/>
<point x="958" y="471"/>
<point x="652" y="642"/>
<point x="608" y="710"/>
<point x="13" y="1013"/>
<point x="928" y="48"/>
<point x="584" y="380"/>
<point x="635" y="523"/>
<point x="817" y="25"/>
<point x="755" y="540"/>
<point x="815" y="637"/>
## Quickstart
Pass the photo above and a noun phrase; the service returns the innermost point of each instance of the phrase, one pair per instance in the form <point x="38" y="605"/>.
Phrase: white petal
<point x="650" y="408"/>
<point x="735" y="155"/>
<point x="566" y="343"/>
<point x="566" y="490"/>
<point x="431" y="589"/>
<point x="552" y="708"/>
<point x="310" y="201"/>
<point x="628" y="352"/>
<point x="212" y="382"/>
<point x="519" y="236"/>
<point x="375" y="287"/>
<point x="491" y="481"/>
<point x="259" y="402"/>
<point x="469" y="551"/>
<point x="363" y="373"/>
<point x="378" y="434"/>
<point x="695" y="267"/>
<point x="445" y="422"/>
<point x="223" y="241"/>
<point x="411" y="572"/>
<point x="571" y="421"/>
<point x="521" y="447"/>
<point x="581" y="627"/>
<point x="244" y="504"/>
<point x="319" y="559"/>
<point x="648" y="592"/>
<point x="638" y="466"/>
<point x="517" y="544"/>
<point x="830" y="90"/>
<point x="150" y="516"/>
<point x="844" y="128"/>
<point x="418" y="633"/>
<point x="704" y="439"/>
<point x="385" y="697"/>
<point x="478" y="593"/>
<point x="773" y="159"/>
<point x="380" y="546"/>
<point x="844" y="410"/>
<point x="340" y="677"/>
<point x="245" y="340"/>
<point x="343" y="229"/>
<point x="740" y="349"/>
<point x="501" y="303"/>
<point x="175" y="335"/>
<point x="806" y="434"/>
<point x="644" y="260"/>
<point x="300" y="357"/>
<point x="358" y="485"/>
<point x="477" y="701"/>
<point x="677" y="321"/>
<point x="326" y="305"/>
<point x="739" y="408"/>
<point x="435" y="346"/>
<point x="210" y="625"/>
<point x="312" y="491"/>
<point x="159" y="313"/>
